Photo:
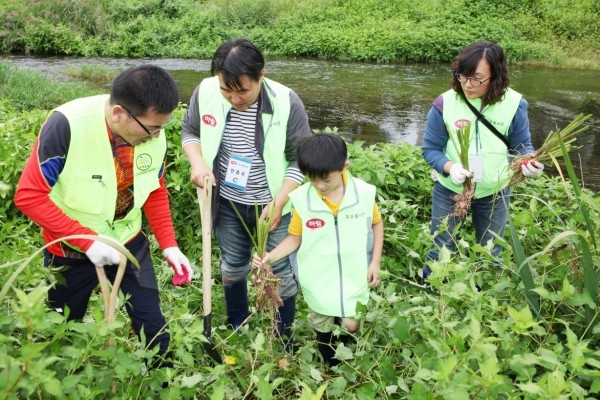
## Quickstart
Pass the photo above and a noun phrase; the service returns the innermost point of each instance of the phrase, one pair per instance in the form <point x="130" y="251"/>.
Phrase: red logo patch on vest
<point x="315" y="223"/>
<point x="461" y="123"/>
<point x="209" y="120"/>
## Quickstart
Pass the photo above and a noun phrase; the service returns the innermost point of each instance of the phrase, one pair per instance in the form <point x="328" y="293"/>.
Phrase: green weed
<point x="550" y="32"/>
<point x="473" y="336"/>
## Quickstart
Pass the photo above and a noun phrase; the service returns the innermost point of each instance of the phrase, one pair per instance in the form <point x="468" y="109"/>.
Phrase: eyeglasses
<point x="475" y="82"/>
<point x="148" y="131"/>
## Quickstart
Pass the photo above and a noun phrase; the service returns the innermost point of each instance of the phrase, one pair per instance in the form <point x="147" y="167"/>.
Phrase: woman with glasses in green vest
<point x="497" y="119"/>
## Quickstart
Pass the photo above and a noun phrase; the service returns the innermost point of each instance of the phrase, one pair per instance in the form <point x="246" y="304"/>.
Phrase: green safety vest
<point x="86" y="189"/>
<point x="214" y="109"/>
<point x="484" y="143"/>
<point x="335" y="252"/>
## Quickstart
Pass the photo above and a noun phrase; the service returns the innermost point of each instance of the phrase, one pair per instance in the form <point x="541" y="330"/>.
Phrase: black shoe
<point x="325" y="346"/>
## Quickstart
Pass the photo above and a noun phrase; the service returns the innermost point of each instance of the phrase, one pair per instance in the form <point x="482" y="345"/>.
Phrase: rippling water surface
<point x="389" y="103"/>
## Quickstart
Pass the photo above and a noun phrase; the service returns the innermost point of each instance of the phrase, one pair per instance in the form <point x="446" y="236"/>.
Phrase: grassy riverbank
<point x="545" y="32"/>
<point x="526" y="329"/>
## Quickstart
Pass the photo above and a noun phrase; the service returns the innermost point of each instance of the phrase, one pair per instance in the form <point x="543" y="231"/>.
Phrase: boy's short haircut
<point x="321" y="154"/>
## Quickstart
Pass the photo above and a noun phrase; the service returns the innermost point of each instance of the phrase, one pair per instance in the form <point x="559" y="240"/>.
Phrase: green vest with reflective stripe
<point x="214" y="109"/>
<point x="483" y="142"/>
<point x="86" y="189"/>
<point x="335" y="252"/>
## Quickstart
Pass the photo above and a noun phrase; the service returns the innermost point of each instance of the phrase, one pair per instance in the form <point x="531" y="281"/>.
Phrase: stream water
<point x="389" y="102"/>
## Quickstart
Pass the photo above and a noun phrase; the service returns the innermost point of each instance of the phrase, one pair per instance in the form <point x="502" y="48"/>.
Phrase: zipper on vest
<point x="100" y="181"/>
<point x="337" y="237"/>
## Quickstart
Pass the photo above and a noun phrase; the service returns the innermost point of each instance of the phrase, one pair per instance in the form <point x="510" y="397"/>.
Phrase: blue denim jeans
<point x="236" y="246"/>
<point x="489" y="214"/>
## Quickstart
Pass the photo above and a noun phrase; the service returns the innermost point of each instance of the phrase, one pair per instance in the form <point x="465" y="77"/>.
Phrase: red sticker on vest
<point x="461" y="123"/>
<point x="209" y="120"/>
<point x="315" y="223"/>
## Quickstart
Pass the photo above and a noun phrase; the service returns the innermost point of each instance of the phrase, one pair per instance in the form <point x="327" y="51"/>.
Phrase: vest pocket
<point x="85" y="194"/>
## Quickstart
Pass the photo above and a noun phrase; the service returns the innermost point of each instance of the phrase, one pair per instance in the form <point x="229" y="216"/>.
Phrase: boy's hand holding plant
<point x="265" y="282"/>
<point x="259" y="262"/>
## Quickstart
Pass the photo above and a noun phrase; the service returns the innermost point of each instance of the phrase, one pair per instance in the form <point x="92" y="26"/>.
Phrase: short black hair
<point x="321" y="154"/>
<point x="236" y="58"/>
<point x="466" y="63"/>
<point x="144" y="88"/>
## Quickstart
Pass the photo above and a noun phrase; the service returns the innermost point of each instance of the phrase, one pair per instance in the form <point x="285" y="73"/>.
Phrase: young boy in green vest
<point x="337" y="231"/>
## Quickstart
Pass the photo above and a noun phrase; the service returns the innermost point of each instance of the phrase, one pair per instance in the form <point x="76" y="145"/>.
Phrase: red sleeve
<point x="32" y="198"/>
<point x="158" y="213"/>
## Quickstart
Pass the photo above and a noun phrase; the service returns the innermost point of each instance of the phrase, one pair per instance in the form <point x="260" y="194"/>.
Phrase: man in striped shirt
<point x="241" y="131"/>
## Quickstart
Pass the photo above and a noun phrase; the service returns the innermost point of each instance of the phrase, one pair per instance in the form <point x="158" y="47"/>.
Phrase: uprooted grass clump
<point x="462" y="201"/>
<point x="550" y="151"/>
<point x="266" y="283"/>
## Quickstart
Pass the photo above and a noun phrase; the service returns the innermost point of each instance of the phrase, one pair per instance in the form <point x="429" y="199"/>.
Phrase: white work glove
<point x="531" y="168"/>
<point x="458" y="174"/>
<point x="434" y="176"/>
<point x="101" y="254"/>
<point x="180" y="264"/>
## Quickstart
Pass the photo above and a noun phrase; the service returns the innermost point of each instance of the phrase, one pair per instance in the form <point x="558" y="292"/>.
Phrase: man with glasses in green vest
<point x="97" y="165"/>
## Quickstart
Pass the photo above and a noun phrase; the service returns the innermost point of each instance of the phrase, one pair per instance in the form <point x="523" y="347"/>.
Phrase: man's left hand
<point x="181" y="266"/>
<point x="272" y="210"/>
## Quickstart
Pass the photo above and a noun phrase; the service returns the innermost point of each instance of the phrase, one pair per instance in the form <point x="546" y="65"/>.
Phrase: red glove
<point x="181" y="266"/>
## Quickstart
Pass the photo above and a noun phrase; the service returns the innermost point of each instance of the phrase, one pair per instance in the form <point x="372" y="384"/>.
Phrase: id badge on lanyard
<point x="238" y="170"/>
<point x="476" y="165"/>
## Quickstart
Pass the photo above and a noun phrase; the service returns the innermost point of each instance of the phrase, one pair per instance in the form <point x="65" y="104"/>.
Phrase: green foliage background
<point x="550" y="32"/>
<point x="453" y="342"/>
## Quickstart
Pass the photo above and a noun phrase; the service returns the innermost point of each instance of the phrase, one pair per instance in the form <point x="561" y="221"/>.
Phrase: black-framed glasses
<point x="148" y="131"/>
<point x="475" y="82"/>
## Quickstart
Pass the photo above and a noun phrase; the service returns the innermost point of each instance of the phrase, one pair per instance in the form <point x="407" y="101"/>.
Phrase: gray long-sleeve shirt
<point x="297" y="127"/>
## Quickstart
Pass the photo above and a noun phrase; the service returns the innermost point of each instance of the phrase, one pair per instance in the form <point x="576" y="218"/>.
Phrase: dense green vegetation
<point x="549" y="32"/>
<point x="530" y="333"/>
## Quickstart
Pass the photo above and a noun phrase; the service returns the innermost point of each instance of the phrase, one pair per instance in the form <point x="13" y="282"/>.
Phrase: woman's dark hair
<point x="144" y="88"/>
<point x="321" y="154"/>
<point x="466" y="63"/>
<point x="236" y="58"/>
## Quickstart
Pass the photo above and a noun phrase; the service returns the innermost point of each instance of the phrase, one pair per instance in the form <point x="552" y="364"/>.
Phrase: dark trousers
<point x="79" y="279"/>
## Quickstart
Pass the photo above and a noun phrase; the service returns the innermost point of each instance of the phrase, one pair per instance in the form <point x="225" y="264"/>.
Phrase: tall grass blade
<point x="558" y="238"/>
<point x="252" y="237"/>
<point x="590" y="278"/>
<point x="577" y="189"/>
<point x="25" y="263"/>
<point x="524" y="270"/>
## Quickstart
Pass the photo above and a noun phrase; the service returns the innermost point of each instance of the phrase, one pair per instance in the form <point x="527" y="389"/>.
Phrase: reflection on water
<point x="389" y="103"/>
